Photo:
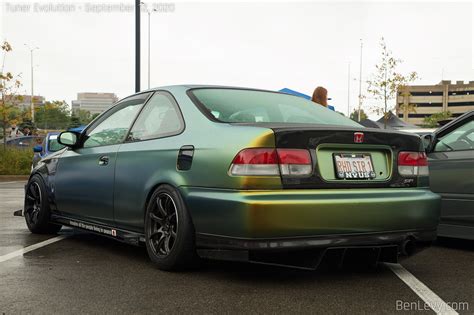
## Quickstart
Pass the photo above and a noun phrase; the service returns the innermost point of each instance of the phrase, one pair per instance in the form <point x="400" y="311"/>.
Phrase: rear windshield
<point x="252" y="106"/>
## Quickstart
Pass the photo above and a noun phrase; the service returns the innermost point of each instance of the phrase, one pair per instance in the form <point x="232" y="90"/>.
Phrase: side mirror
<point x="428" y="142"/>
<point x="68" y="138"/>
<point x="37" y="149"/>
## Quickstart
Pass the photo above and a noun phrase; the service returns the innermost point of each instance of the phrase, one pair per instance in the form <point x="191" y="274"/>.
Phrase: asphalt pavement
<point x="85" y="273"/>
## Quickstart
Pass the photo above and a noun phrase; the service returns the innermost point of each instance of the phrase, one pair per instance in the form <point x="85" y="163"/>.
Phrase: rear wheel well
<point x="150" y="193"/>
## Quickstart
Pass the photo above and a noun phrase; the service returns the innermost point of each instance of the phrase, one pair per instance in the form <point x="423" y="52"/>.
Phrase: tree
<point x="74" y="122"/>
<point x="355" y="115"/>
<point x="386" y="81"/>
<point x="9" y="96"/>
<point x="84" y="116"/>
<point x="52" y="115"/>
<point x="432" y="121"/>
<point x="406" y="108"/>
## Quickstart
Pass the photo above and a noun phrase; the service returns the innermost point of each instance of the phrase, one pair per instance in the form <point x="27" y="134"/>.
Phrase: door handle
<point x="103" y="160"/>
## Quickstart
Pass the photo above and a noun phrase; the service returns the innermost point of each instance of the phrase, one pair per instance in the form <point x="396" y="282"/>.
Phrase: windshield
<point x="460" y="139"/>
<point x="252" y="106"/>
<point x="53" y="144"/>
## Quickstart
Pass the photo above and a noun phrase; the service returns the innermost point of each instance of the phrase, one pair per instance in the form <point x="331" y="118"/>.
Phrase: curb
<point x="12" y="178"/>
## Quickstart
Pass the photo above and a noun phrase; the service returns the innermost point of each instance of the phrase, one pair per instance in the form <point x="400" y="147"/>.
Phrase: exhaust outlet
<point x="408" y="247"/>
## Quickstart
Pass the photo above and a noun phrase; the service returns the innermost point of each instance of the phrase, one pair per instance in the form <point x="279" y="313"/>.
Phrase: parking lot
<point x="80" y="272"/>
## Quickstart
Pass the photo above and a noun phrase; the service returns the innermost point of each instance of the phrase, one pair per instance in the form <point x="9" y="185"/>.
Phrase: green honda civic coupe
<point x="237" y="174"/>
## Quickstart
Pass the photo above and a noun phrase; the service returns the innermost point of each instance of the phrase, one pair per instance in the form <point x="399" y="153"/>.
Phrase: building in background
<point x="23" y="102"/>
<point x="95" y="103"/>
<point x="457" y="98"/>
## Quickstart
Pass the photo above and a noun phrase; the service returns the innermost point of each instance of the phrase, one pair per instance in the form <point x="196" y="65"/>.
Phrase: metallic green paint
<point x="141" y="166"/>
<point x="82" y="187"/>
<point x="221" y="204"/>
<point x="291" y="213"/>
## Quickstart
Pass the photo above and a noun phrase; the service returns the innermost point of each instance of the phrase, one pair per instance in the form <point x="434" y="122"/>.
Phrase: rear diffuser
<point x="309" y="259"/>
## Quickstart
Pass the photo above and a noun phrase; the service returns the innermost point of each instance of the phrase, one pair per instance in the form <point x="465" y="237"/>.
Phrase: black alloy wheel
<point x="33" y="203"/>
<point x="164" y="227"/>
<point x="169" y="231"/>
<point x="36" y="208"/>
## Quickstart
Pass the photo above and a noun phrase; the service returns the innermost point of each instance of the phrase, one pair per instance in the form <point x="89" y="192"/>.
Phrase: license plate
<point x="353" y="166"/>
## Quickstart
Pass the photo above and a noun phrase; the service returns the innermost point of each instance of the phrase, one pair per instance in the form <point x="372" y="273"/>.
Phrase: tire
<point x="36" y="208"/>
<point x="169" y="231"/>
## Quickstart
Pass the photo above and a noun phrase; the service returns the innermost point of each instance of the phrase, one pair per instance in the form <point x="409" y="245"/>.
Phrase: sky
<point x="260" y="44"/>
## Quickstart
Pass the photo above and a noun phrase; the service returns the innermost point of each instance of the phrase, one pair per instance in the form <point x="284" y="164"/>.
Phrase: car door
<point x="84" y="184"/>
<point x="452" y="175"/>
<point x="146" y="158"/>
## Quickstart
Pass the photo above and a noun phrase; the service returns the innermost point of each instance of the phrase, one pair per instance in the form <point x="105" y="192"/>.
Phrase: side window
<point x="114" y="127"/>
<point x="160" y="118"/>
<point x="460" y="139"/>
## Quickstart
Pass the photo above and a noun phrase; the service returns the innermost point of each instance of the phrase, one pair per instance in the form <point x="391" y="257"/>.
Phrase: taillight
<point x="294" y="162"/>
<point x="271" y="162"/>
<point x="259" y="162"/>
<point x="413" y="164"/>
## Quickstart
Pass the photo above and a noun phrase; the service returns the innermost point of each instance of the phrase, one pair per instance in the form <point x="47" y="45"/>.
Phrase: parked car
<point x="24" y="142"/>
<point x="239" y="174"/>
<point x="420" y="131"/>
<point x="451" y="161"/>
<point x="50" y="144"/>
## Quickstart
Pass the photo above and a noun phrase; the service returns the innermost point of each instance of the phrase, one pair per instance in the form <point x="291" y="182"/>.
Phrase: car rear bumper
<point x="314" y="217"/>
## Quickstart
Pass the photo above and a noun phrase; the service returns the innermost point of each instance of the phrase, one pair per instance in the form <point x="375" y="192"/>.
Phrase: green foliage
<point x="9" y="87"/>
<point x="432" y="121"/>
<point x="80" y="117"/>
<point x="84" y="116"/>
<point x="74" y="122"/>
<point x="13" y="116"/>
<point x="56" y="115"/>
<point x="52" y="115"/>
<point x="406" y="108"/>
<point x="355" y="115"/>
<point x="15" y="161"/>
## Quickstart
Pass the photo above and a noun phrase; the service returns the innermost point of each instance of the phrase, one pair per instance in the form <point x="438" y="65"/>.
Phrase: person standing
<point x="15" y="132"/>
<point x="27" y="132"/>
<point x="320" y="96"/>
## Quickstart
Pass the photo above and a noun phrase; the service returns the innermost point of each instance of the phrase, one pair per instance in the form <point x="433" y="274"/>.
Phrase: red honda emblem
<point x="358" y="137"/>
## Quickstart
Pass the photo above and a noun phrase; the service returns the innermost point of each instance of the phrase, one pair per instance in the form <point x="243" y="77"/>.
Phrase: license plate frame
<point x="361" y="160"/>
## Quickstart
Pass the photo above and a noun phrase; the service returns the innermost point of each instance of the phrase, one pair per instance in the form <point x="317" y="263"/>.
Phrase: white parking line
<point x="429" y="297"/>
<point x="31" y="248"/>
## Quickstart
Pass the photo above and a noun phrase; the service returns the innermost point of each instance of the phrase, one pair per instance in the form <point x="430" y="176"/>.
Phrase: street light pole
<point x="149" y="39"/>
<point x="137" y="45"/>
<point x="360" y="82"/>
<point x="348" y="89"/>
<point x="149" y="14"/>
<point x="32" y="105"/>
